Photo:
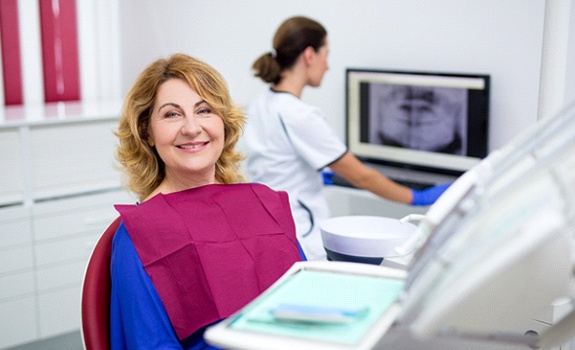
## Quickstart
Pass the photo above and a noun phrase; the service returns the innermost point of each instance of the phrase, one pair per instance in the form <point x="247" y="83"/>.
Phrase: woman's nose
<point x="191" y="126"/>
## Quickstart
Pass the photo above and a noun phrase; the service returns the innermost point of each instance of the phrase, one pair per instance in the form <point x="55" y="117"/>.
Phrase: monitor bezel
<point x="415" y="159"/>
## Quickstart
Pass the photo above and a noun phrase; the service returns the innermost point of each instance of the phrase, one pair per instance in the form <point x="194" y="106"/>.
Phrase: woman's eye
<point x="205" y="111"/>
<point x="172" y="114"/>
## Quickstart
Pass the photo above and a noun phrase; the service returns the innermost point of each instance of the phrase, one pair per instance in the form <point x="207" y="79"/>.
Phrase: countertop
<point x="58" y="113"/>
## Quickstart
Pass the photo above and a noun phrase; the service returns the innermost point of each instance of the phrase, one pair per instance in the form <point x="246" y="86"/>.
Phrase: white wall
<point x="500" y="38"/>
<point x="557" y="83"/>
<point x="570" y="73"/>
<point x="99" y="50"/>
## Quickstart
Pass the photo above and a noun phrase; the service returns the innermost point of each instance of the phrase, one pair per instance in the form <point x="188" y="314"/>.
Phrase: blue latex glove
<point x="327" y="176"/>
<point x="429" y="195"/>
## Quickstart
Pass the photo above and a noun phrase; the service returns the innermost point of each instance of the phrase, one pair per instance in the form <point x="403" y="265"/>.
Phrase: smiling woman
<point x="201" y="245"/>
<point x="184" y="76"/>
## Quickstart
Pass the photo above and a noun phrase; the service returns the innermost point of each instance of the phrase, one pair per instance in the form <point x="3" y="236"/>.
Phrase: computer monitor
<point x="422" y="120"/>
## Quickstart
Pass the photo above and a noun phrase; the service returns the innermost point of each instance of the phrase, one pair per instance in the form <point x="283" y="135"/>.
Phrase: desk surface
<point x="407" y="174"/>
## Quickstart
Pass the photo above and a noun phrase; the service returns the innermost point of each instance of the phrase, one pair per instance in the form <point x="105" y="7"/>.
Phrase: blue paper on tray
<point x="319" y="305"/>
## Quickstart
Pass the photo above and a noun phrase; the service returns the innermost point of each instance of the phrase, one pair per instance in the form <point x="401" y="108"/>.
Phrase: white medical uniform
<point x="289" y="143"/>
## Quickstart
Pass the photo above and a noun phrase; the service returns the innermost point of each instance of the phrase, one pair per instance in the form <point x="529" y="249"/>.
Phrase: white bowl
<point x="357" y="237"/>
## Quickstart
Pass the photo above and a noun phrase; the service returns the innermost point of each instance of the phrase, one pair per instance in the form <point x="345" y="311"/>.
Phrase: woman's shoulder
<point x="124" y="259"/>
<point x="121" y="240"/>
<point x="257" y="187"/>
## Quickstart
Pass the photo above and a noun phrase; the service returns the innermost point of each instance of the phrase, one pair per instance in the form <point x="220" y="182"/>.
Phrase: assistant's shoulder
<point x="286" y="103"/>
<point x="296" y="106"/>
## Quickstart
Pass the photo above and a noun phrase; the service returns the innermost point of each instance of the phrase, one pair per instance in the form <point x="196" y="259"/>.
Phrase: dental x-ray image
<point x="419" y="117"/>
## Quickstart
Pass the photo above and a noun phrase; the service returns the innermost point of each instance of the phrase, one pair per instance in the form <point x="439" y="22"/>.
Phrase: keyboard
<point x="416" y="185"/>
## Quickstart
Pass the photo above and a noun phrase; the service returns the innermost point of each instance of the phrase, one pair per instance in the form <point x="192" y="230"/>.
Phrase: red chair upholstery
<point x="96" y="293"/>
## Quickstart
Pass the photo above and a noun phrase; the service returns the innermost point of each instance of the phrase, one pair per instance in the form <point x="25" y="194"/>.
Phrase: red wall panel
<point x="11" y="65"/>
<point x="60" y="50"/>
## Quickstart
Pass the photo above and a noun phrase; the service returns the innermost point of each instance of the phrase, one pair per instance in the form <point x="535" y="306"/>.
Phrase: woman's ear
<point x="150" y="140"/>
<point x="308" y="55"/>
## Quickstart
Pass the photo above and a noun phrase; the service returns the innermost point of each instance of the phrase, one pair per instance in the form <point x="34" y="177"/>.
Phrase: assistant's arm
<point x="361" y="176"/>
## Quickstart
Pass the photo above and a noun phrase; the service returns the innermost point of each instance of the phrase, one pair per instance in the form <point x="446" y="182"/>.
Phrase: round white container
<point x="367" y="239"/>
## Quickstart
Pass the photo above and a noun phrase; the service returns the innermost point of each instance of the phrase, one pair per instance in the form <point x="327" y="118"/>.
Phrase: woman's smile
<point x="193" y="146"/>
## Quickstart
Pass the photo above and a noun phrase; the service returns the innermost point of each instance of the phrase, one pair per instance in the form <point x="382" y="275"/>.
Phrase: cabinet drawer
<point x="73" y="158"/>
<point x="15" y="226"/>
<point x="16" y="285"/>
<point x="59" y="312"/>
<point x="64" y="250"/>
<point x="21" y="326"/>
<point x="12" y="179"/>
<point x="86" y="215"/>
<point x="73" y="223"/>
<point x="16" y="259"/>
<point x="67" y="229"/>
<point x="61" y="275"/>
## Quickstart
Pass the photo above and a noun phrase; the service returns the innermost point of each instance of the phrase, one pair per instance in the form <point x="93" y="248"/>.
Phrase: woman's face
<point x="187" y="133"/>
<point x="319" y="65"/>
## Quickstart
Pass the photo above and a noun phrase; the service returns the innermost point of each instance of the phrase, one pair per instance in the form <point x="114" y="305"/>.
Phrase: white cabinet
<point x="16" y="252"/>
<point x="15" y="227"/>
<point x="18" y="321"/>
<point x="76" y="158"/>
<point x="17" y="299"/>
<point x="12" y="178"/>
<point x="43" y="274"/>
<point x="57" y="191"/>
<point x="66" y="231"/>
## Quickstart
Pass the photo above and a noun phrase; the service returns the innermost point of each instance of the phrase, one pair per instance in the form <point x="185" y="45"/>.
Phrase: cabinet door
<point x="16" y="252"/>
<point x="73" y="158"/>
<point x="17" y="289"/>
<point x="59" y="311"/>
<point x="15" y="226"/>
<point x="18" y="322"/>
<point x="12" y="179"/>
<point x="66" y="231"/>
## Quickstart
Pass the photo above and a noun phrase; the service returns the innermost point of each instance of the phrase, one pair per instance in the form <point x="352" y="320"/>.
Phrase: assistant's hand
<point x="429" y="195"/>
<point x="327" y="176"/>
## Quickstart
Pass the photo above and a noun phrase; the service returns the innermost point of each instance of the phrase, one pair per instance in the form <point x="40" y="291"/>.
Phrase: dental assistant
<point x="289" y="142"/>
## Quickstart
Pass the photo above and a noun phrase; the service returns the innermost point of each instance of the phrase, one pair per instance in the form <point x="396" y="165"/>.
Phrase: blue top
<point x="138" y="319"/>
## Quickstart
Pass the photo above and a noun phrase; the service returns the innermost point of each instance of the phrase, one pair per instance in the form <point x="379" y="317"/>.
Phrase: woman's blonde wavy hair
<point x="143" y="169"/>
